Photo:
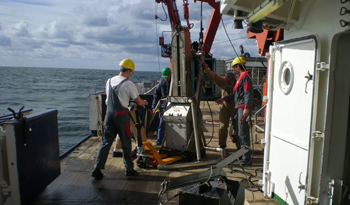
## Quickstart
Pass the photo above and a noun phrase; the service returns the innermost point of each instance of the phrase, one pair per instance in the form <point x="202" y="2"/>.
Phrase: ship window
<point x="286" y="76"/>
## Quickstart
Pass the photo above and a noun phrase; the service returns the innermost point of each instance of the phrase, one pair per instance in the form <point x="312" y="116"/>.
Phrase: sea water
<point x="66" y="90"/>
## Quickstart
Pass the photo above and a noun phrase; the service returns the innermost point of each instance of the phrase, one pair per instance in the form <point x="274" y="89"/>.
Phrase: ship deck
<point x="76" y="186"/>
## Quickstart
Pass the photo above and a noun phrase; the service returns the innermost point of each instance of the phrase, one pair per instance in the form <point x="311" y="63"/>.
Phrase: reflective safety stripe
<point x="127" y="129"/>
<point x="243" y="74"/>
<point x="224" y="99"/>
<point x="243" y="119"/>
<point x="245" y="107"/>
<point x="247" y="86"/>
<point x="123" y="112"/>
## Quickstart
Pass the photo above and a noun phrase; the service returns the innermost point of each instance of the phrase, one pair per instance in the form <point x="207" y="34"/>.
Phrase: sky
<point x="98" y="34"/>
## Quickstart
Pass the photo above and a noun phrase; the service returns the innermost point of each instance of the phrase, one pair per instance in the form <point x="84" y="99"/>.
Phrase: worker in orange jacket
<point x="227" y="109"/>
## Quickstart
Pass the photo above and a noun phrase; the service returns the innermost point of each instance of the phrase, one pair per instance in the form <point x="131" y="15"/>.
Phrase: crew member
<point x="161" y="91"/>
<point x="119" y="90"/>
<point x="243" y="96"/>
<point x="227" y="110"/>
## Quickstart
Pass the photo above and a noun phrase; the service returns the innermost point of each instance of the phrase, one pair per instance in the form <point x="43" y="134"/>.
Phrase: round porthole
<point x="286" y="77"/>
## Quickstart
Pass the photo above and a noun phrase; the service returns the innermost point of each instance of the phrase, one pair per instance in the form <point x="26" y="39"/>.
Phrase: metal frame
<point x="256" y="125"/>
<point x="213" y="172"/>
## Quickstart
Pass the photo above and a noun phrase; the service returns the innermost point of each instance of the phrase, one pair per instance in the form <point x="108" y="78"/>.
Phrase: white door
<point x="289" y="118"/>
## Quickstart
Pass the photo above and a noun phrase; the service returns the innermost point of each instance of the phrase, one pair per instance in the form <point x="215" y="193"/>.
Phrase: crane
<point x="186" y="65"/>
<point x="186" y="61"/>
<point x="175" y="23"/>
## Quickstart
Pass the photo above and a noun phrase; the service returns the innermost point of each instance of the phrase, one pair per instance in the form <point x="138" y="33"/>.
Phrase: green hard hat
<point x="166" y="72"/>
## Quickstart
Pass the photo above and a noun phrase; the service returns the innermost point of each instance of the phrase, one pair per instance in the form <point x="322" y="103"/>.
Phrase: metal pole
<point x="258" y="78"/>
<point x="178" y="65"/>
<point x="255" y="126"/>
<point x="217" y="149"/>
<point x="188" y="165"/>
<point x="195" y="130"/>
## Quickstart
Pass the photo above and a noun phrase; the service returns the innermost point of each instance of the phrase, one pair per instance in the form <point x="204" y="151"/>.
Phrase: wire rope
<point x="228" y="41"/>
<point x="222" y="21"/>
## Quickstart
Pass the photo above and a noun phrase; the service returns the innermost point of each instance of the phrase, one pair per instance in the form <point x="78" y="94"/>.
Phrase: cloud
<point x="32" y="43"/>
<point x="71" y="42"/>
<point x="59" y="30"/>
<point x="99" y="22"/>
<point x="59" y="44"/>
<point x="33" y="2"/>
<point x="20" y="29"/>
<point x="94" y="16"/>
<point x="41" y="32"/>
<point x="5" y="41"/>
<point x="99" y="33"/>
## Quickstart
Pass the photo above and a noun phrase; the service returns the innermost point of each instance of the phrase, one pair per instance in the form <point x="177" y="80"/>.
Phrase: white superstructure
<point x="306" y="159"/>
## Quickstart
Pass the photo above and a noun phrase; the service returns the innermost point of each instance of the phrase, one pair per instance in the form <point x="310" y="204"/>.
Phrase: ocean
<point x="66" y="90"/>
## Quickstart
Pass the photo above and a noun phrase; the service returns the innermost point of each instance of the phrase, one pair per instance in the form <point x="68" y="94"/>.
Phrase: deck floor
<point x="76" y="186"/>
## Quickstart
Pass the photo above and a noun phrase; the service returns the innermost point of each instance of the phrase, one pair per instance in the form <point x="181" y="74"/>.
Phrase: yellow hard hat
<point x="238" y="60"/>
<point x="127" y="63"/>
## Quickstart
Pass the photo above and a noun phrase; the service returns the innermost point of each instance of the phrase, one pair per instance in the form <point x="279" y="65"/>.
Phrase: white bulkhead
<point x="307" y="151"/>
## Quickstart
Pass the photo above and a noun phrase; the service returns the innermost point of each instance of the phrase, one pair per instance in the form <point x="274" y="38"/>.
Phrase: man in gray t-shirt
<point x="118" y="90"/>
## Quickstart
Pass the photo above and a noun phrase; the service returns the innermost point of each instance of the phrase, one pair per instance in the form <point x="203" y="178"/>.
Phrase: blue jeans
<point x="161" y="127"/>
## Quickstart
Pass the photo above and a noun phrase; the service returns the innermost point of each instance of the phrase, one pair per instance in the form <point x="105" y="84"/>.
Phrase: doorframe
<point x="336" y="120"/>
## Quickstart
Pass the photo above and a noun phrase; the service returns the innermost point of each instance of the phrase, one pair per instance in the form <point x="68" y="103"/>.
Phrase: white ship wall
<point x="330" y="156"/>
<point x="321" y="18"/>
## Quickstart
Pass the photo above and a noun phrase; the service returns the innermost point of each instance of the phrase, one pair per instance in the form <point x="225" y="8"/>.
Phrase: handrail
<point x="152" y="89"/>
<point x="75" y="146"/>
<point x="256" y="126"/>
<point x="6" y="117"/>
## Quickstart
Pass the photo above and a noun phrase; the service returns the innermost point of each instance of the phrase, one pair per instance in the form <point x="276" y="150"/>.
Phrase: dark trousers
<point x="112" y="127"/>
<point x="161" y="127"/>
<point x="243" y="133"/>
<point x="224" y="119"/>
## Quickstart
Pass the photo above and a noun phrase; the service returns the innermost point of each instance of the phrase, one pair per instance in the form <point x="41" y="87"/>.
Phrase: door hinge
<point x="267" y="55"/>
<point x="317" y="135"/>
<point x="267" y="175"/>
<point x="331" y="191"/>
<point x="311" y="200"/>
<point x="5" y="188"/>
<point x="266" y="99"/>
<point x="322" y="66"/>
<point x="270" y="186"/>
